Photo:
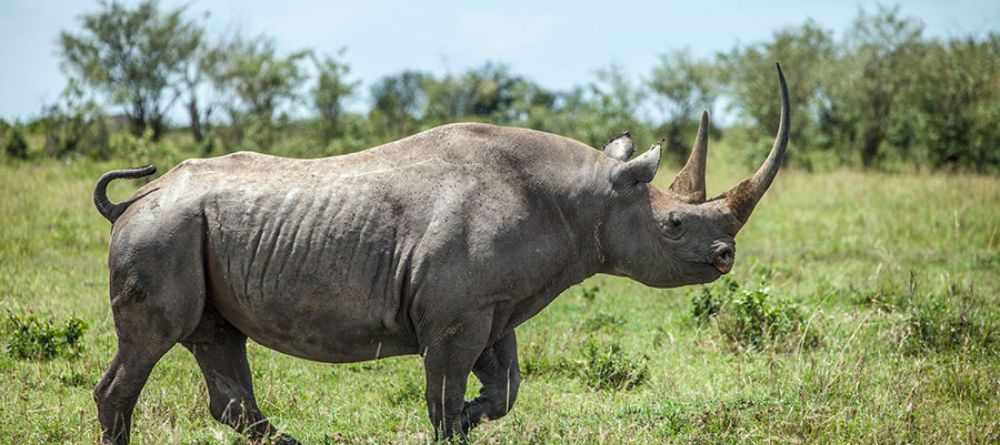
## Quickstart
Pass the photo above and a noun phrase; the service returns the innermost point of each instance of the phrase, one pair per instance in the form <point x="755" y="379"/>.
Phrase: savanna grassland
<point x="863" y="308"/>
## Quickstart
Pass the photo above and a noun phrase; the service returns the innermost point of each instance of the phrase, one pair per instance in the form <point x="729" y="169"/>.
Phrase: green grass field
<point x="895" y="281"/>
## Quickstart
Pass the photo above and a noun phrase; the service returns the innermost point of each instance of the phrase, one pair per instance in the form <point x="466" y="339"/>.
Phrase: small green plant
<point x="708" y="300"/>
<point x="755" y="318"/>
<point x="601" y="320"/>
<point x="28" y="337"/>
<point x="704" y="306"/>
<point x="589" y="293"/>
<point x="536" y="361"/>
<point x="76" y="380"/>
<point x="607" y="367"/>
<point x="410" y="390"/>
<point x="751" y="318"/>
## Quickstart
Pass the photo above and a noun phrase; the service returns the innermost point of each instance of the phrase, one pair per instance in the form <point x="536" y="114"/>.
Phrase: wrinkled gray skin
<point x="439" y="244"/>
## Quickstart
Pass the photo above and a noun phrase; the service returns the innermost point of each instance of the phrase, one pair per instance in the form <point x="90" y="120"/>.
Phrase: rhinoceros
<point x="438" y="244"/>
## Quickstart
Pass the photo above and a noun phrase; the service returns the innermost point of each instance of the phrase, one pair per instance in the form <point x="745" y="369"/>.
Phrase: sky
<point x="558" y="44"/>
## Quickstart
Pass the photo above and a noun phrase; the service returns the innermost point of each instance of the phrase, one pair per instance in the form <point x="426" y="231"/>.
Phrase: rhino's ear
<point x="639" y="170"/>
<point x="619" y="147"/>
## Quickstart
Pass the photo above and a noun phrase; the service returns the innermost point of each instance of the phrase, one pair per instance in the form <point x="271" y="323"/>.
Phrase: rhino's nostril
<point x="726" y="256"/>
<point x="724" y="259"/>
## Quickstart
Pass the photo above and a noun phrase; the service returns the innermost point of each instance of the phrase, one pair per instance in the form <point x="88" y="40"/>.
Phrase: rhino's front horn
<point x="742" y="198"/>
<point x="689" y="185"/>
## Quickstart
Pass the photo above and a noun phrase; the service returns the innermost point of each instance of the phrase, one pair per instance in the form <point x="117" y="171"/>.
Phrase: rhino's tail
<point x="110" y="210"/>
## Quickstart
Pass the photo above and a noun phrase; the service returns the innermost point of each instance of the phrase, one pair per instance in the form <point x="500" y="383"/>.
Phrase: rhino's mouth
<point x="723" y="261"/>
<point x="722" y="268"/>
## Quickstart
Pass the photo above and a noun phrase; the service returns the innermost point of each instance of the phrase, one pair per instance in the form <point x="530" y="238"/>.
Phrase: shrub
<point x="29" y="338"/>
<point x="142" y="150"/>
<point x="755" y="318"/>
<point x="607" y="367"/>
<point x="15" y="146"/>
<point x="74" y="125"/>
<point x="751" y="318"/>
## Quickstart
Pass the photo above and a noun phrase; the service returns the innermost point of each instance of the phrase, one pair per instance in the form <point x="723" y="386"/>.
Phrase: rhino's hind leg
<point x="118" y="390"/>
<point x="220" y="350"/>
<point x="152" y="310"/>
<point x="497" y="369"/>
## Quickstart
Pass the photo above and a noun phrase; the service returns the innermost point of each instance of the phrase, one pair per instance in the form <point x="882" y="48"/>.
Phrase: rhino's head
<point x="674" y="237"/>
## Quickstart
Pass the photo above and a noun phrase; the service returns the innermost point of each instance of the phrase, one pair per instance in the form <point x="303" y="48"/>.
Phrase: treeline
<point x="879" y="95"/>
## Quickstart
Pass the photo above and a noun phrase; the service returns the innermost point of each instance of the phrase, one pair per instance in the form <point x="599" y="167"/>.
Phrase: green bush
<point x="539" y="360"/>
<point x="15" y="146"/>
<point x="607" y="367"/>
<point x="752" y="318"/>
<point x="707" y="300"/>
<point x="136" y="150"/>
<point x="27" y="337"/>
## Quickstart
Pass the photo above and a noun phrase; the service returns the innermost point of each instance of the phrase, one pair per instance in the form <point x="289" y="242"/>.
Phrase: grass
<point x="896" y="276"/>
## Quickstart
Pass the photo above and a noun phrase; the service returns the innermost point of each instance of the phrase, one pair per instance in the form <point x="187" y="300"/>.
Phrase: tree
<point x="958" y="98"/>
<point x="260" y="82"/>
<point x="530" y="104"/>
<point x="398" y="101"/>
<point x="490" y="92"/>
<point x="683" y="87"/>
<point x="610" y="105"/>
<point x="749" y="77"/>
<point x="330" y="90"/>
<point x="201" y="95"/>
<point x="135" y="56"/>
<point x="74" y="125"/>
<point x="883" y="49"/>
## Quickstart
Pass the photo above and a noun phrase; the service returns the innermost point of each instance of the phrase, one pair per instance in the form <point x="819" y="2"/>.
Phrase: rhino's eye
<point x="672" y="227"/>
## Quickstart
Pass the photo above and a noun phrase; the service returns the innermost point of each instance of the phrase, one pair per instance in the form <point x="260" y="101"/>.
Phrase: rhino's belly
<point x="314" y="303"/>
<point x="310" y="273"/>
<point x="328" y="325"/>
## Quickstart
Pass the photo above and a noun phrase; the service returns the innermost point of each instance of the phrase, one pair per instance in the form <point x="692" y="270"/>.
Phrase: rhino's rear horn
<point x="689" y="185"/>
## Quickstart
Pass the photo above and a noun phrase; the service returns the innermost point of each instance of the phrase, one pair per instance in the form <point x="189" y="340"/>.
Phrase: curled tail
<point x="110" y="210"/>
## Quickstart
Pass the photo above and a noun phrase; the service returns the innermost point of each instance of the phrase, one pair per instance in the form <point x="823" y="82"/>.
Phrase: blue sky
<point x="557" y="43"/>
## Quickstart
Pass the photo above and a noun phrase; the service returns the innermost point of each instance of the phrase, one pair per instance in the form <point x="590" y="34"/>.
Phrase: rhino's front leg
<point x="497" y="369"/>
<point x="448" y="359"/>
